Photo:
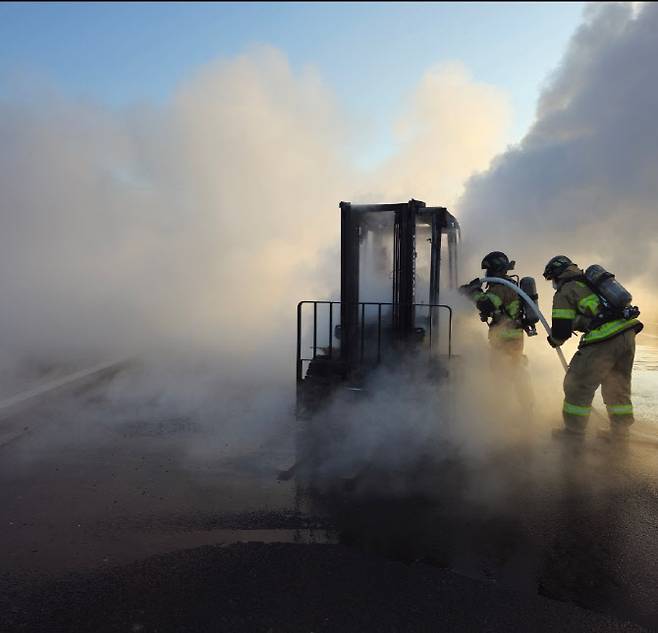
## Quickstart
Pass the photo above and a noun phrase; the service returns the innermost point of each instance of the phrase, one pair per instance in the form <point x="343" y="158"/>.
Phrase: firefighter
<point x="605" y="352"/>
<point x="501" y="308"/>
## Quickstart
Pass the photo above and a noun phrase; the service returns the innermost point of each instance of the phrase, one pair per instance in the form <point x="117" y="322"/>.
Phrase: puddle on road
<point x="646" y="358"/>
<point x="645" y="383"/>
<point x="92" y="553"/>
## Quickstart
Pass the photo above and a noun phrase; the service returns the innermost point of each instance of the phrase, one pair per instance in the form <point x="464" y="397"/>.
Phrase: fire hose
<point x="532" y="305"/>
<point x="535" y="308"/>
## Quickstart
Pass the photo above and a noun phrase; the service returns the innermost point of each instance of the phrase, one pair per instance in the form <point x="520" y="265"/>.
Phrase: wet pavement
<point x="645" y="382"/>
<point x="285" y="588"/>
<point x="120" y="527"/>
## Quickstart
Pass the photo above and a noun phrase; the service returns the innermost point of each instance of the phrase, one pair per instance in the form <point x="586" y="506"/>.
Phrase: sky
<point x="371" y="55"/>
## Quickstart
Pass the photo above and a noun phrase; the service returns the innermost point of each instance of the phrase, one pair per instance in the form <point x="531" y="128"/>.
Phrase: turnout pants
<point x="608" y="364"/>
<point x="510" y="364"/>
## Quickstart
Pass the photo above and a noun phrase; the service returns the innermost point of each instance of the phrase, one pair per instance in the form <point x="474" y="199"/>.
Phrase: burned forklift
<point x="395" y="259"/>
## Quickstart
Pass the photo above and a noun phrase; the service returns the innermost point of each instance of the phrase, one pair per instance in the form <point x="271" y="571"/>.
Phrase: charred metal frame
<point x="407" y="216"/>
<point x="327" y="351"/>
<point x="347" y="345"/>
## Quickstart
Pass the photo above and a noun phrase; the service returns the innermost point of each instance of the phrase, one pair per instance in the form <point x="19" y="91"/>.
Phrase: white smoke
<point x="185" y="222"/>
<point x="451" y="127"/>
<point x="198" y="224"/>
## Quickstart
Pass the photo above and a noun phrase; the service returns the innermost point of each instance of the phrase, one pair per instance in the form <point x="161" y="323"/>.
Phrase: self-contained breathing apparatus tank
<point x="529" y="318"/>
<point x="615" y="299"/>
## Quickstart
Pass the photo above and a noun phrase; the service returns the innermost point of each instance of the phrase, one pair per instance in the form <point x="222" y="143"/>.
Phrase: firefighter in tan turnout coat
<point x="503" y="307"/>
<point x="606" y="350"/>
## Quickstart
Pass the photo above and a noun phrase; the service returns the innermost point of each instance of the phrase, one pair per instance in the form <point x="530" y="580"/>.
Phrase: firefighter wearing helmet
<point x="594" y="303"/>
<point x="500" y="307"/>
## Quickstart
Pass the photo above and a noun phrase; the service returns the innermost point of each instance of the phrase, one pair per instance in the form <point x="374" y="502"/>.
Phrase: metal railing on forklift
<point x="330" y="348"/>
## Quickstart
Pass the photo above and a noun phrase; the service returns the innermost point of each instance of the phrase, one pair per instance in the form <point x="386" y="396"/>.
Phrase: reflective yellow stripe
<point x="609" y="329"/>
<point x="591" y="303"/>
<point x="509" y="333"/>
<point x="513" y="307"/>
<point x="563" y="313"/>
<point x="495" y="299"/>
<point x="620" y="409"/>
<point x="574" y="409"/>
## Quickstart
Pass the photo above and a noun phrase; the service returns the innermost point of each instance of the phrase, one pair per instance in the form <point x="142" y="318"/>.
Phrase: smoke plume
<point x="584" y="180"/>
<point x="198" y="224"/>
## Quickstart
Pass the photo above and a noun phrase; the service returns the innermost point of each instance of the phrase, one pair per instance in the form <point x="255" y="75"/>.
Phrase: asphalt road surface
<point x="117" y="527"/>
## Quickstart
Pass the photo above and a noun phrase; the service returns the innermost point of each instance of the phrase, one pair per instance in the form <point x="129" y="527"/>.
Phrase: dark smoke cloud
<point x="584" y="180"/>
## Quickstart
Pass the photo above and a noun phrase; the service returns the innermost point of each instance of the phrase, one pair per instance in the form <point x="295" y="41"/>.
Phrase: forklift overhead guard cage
<point x="392" y="229"/>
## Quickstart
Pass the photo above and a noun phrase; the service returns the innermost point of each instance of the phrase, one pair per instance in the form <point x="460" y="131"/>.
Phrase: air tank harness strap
<point x="563" y="313"/>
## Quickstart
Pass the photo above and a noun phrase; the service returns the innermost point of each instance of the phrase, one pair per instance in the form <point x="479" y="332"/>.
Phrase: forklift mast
<point x="356" y="220"/>
<point x="389" y="296"/>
